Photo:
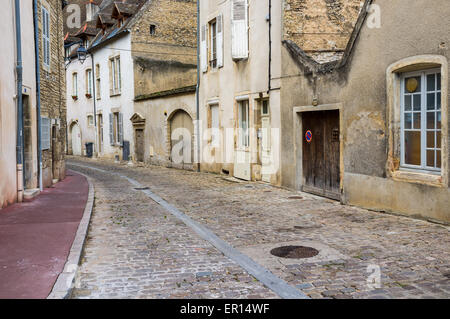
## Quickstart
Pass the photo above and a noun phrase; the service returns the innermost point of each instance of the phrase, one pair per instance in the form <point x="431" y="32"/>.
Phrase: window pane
<point x="438" y="159"/>
<point x="438" y="81"/>
<point x="417" y="119"/>
<point x="412" y="148"/>
<point x="430" y="101"/>
<point x="438" y="139"/>
<point x="408" y="102"/>
<point x="431" y="82"/>
<point x="439" y="101"/>
<point x="408" y="121"/>
<point x="438" y="126"/>
<point x="417" y="102"/>
<point x="412" y="85"/>
<point x="430" y="120"/>
<point x="430" y="139"/>
<point x="430" y="158"/>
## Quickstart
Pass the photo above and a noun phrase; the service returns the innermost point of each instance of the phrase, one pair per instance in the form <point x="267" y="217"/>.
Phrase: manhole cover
<point x="294" y="252"/>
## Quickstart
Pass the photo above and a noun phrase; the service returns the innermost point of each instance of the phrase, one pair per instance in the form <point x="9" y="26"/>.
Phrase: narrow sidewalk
<point x="36" y="238"/>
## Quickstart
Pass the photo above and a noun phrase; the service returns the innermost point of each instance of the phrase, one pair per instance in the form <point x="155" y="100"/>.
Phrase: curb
<point x="62" y="289"/>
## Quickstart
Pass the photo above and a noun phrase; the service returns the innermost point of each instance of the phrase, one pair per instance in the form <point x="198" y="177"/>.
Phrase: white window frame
<point x="244" y="131"/>
<point x="98" y="82"/>
<point x="423" y="123"/>
<point x="89" y="81"/>
<point x="213" y="43"/>
<point x="46" y="44"/>
<point x="215" y="130"/>
<point x="75" y="84"/>
<point x="116" y="75"/>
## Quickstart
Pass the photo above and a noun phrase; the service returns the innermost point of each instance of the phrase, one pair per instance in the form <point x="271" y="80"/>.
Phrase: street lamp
<point x="82" y="53"/>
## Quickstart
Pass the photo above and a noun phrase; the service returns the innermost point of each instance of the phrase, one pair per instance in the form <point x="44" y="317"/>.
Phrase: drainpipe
<point x="95" y="105"/>
<point x="197" y="91"/>
<point x="270" y="45"/>
<point x="38" y="91"/>
<point x="19" y="70"/>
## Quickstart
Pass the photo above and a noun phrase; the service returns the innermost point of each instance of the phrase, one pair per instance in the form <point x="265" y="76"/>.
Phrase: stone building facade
<point x="53" y="89"/>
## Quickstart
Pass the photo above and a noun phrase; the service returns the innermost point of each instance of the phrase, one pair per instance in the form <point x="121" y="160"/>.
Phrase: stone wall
<point x="53" y="92"/>
<point x="321" y="28"/>
<point x="167" y="59"/>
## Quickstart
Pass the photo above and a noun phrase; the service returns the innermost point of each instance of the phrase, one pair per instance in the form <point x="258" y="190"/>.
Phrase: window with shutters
<point x="421" y="101"/>
<point x="239" y="29"/>
<point x="115" y="76"/>
<point x="116" y="128"/>
<point x="213" y="43"/>
<point x="74" y="85"/>
<point x="46" y="37"/>
<point x="97" y="82"/>
<point x="88" y="83"/>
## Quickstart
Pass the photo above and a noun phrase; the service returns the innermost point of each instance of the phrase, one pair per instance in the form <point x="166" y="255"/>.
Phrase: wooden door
<point x="76" y="140"/>
<point x="321" y="153"/>
<point x="181" y="132"/>
<point x="266" y="156"/>
<point x="139" y="145"/>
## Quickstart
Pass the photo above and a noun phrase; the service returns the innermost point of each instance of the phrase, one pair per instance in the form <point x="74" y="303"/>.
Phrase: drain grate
<point x="294" y="252"/>
<point x="141" y="188"/>
<point x="295" y="197"/>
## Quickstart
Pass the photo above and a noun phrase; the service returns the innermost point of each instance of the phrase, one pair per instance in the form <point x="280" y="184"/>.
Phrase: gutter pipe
<point x="19" y="72"/>
<point x="197" y="93"/>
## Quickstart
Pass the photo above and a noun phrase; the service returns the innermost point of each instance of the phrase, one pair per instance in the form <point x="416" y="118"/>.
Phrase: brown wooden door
<point x="140" y="145"/>
<point x="321" y="154"/>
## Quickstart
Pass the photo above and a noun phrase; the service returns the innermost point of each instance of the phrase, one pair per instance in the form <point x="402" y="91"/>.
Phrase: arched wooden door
<point x="76" y="140"/>
<point x="181" y="137"/>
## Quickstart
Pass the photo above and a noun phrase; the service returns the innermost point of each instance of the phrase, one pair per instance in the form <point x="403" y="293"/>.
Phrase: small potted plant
<point x="74" y="97"/>
<point x="88" y="95"/>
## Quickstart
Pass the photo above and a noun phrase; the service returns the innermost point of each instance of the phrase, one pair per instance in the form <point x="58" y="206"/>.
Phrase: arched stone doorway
<point x="181" y="130"/>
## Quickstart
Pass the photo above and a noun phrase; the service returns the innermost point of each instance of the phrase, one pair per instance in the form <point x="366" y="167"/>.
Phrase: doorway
<point x="266" y="158"/>
<point x="139" y="133"/>
<point x="321" y="153"/>
<point x="100" y="133"/>
<point x="242" y="165"/>
<point x="76" y="140"/>
<point x="181" y="135"/>
<point x="27" y="144"/>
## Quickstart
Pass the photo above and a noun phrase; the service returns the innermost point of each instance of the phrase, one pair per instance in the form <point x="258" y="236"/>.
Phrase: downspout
<point x="95" y="105"/>
<point x="197" y="91"/>
<point x="38" y="91"/>
<point x="19" y="70"/>
<point x="270" y="46"/>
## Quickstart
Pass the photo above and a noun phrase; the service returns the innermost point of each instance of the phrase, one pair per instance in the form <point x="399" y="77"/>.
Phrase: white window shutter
<point x="120" y="129"/>
<point x="239" y="29"/>
<point x="204" y="50"/>
<point x="111" y="129"/>
<point x="219" y="39"/>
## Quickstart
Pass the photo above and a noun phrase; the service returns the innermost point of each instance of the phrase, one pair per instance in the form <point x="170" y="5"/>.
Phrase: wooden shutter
<point x="219" y="39"/>
<point x="239" y="29"/>
<point x="204" y="49"/>
<point x="120" y="129"/>
<point x="46" y="36"/>
<point x="111" y="128"/>
<point x="45" y="133"/>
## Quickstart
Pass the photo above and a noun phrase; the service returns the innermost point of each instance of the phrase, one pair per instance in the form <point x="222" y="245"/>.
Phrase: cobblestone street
<point x="137" y="249"/>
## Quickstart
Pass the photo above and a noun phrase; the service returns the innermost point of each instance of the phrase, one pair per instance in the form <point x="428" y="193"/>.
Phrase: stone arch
<point x="70" y="145"/>
<point x="169" y="127"/>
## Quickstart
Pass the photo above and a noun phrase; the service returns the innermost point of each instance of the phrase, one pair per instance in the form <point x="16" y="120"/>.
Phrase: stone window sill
<point x="418" y="178"/>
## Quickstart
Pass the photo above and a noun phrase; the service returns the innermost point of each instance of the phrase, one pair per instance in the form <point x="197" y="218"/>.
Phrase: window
<point x="265" y="107"/>
<point x="89" y="83"/>
<point x="213" y="44"/>
<point x="244" y="138"/>
<point x="46" y="37"/>
<point x="239" y="29"/>
<point x="90" y="120"/>
<point x="421" y="120"/>
<point x="214" y="125"/>
<point x="116" y="128"/>
<point x="74" y="85"/>
<point x="115" y="75"/>
<point x="152" y="29"/>
<point x="97" y="82"/>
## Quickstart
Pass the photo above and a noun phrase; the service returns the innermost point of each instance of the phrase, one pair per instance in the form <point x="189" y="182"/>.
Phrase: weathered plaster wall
<point x="8" y="102"/>
<point x="361" y="88"/>
<point x="156" y="113"/>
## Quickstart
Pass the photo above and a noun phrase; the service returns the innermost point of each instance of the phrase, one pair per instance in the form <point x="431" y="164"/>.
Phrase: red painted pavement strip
<point x="36" y="237"/>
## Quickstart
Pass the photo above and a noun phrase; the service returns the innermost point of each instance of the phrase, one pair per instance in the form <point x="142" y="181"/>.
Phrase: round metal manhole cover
<point x="294" y="252"/>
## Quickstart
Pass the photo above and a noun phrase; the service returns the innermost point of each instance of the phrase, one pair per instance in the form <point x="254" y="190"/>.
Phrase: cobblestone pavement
<point x="137" y="249"/>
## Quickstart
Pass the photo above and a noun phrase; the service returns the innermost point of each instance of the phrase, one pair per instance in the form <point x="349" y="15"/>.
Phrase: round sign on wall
<point x="308" y="136"/>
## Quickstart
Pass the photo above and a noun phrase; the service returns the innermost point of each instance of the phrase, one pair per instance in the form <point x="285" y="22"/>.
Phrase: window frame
<point x="423" y="167"/>
<point x="97" y="82"/>
<point x="75" y="84"/>
<point x="89" y="81"/>
<point x="215" y="130"/>
<point x="212" y="35"/>
<point x="243" y="132"/>
<point x="116" y="76"/>
<point x="46" y="34"/>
